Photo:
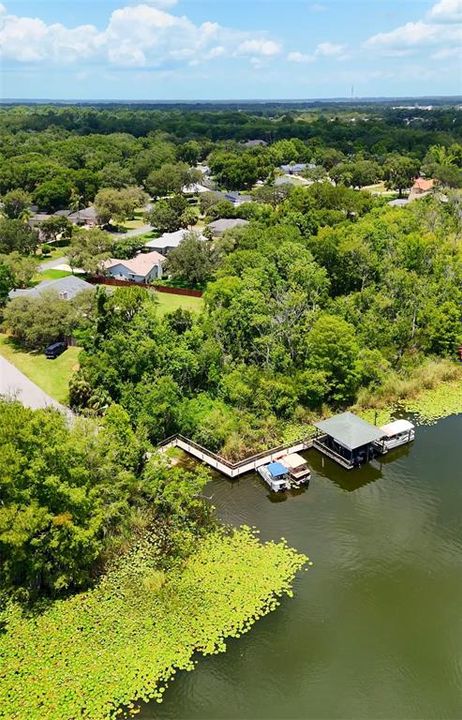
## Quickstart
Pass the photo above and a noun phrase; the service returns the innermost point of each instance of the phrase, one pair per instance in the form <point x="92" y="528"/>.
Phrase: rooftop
<point x="397" y="426"/>
<point x="69" y="285"/>
<point x="349" y="430"/>
<point x="169" y="240"/>
<point x="276" y="469"/>
<point x="140" y="265"/>
<point x="88" y="213"/>
<point x="423" y="184"/>
<point x="219" y="226"/>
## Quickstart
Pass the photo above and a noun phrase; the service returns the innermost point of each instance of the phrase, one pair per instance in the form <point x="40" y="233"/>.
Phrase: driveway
<point x="51" y="264"/>
<point x="15" y="385"/>
<point x="133" y="233"/>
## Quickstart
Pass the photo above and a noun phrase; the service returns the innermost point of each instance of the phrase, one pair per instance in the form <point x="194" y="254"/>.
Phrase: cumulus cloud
<point x="446" y="11"/>
<point x="328" y="49"/>
<point x="298" y="57"/>
<point x="142" y="35"/>
<point x="439" y="27"/>
<point x="265" y="48"/>
<point x="324" y="49"/>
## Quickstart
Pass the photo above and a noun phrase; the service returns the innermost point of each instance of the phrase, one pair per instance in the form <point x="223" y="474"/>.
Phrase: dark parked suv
<point x="54" y="350"/>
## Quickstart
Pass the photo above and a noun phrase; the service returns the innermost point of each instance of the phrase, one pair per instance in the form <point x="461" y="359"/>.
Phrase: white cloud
<point x="446" y="11"/>
<point x="446" y="53"/>
<point x="142" y="35"/>
<point x="324" y="49"/>
<point x="317" y="7"/>
<point x="266" y="48"/>
<point x="328" y="49"/>
<point x="298" y="57"/>
<point x="439" y="27"/>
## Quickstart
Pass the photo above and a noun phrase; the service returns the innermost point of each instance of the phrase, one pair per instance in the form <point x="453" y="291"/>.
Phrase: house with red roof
<point x="422" y="185"/>
<point x="143" y="268"/>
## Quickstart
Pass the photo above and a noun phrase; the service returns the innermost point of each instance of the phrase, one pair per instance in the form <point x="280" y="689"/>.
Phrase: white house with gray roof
<point x="66" y="288"/>
<point x="169" y="241"/>
<point x="218" y="227"/>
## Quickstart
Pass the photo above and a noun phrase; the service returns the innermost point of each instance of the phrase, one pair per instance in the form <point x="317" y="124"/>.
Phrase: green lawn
<point x="51" y="375"/>
<point x="50" y="274"/>
<point x="168" y="302"/>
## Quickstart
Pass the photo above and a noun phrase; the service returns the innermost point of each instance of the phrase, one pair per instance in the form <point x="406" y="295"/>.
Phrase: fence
<point x="103" y="280"/>
<point x="226" y="467"/>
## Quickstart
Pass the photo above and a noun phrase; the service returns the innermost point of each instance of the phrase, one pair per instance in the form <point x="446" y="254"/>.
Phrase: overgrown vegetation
<point x="293" y="321"/>
<point x="121" y="643"/>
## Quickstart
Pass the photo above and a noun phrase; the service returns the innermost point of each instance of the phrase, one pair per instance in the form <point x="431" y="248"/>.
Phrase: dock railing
<point x="230" y="469"/>
<point x="325" y="450"/>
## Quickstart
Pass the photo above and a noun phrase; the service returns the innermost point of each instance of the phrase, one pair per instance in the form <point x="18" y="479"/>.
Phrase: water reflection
<point x="374" y="630"/>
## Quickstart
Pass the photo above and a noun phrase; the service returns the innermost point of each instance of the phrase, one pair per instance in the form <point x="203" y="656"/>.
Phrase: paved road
<point x="14" y="384"/>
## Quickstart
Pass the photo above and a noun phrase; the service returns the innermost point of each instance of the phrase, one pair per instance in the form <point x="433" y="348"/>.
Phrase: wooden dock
<point x="232" y="470"/>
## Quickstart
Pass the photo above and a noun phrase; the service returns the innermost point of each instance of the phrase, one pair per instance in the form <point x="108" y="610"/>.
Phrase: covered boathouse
<point x="347" y="439"/>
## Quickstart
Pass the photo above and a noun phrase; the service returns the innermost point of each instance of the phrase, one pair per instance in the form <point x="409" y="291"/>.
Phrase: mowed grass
<point x="168" y="303"/>
<point x="51" y="375"/>
<point x="50" y="274"/>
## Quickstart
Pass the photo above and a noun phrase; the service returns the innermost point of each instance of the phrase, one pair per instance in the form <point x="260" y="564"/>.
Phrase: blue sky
<point x="223" y="49"/>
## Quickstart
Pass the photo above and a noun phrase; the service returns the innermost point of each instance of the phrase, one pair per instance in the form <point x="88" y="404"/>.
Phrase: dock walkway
<point x="232" y="470"/>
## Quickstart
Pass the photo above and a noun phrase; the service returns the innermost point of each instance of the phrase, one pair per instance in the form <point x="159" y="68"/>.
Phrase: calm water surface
<point x="375" y="627"/>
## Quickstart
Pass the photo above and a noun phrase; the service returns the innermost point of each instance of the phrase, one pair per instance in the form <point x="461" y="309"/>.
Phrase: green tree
<point x="53" y="195"/>
<point x="35" y="322"/>
<point x="399" y="172"/>
<point x="55" y="226"/>
<point x="170" y="178"/>
<point x="6" y="282"/>
<point x="89" y="249"/>
<point x="333" y="349"/>
<point x="77" y="494"/>
<point x="192" y="261"/>
<point x="118" y="205"/>
<point x="15" y="204"/>
<point x="167" y="215"/>
<point x="16" y="235"/>
<point x="22" y="268"/>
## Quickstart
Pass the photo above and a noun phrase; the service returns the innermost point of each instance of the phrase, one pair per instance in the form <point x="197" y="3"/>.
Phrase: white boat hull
<point x="275" y="484"/>
<point x="393" y="442"/>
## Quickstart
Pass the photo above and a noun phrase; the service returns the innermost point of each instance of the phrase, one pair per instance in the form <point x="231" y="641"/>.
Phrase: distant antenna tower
<point x="352" y="91"/>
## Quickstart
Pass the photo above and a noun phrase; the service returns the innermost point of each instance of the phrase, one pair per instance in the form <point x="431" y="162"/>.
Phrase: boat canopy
<point x="293" y="461"/>
<point x="349" y="430"/>
<point x="276" y="469"/>
<point x="397" y="427"/>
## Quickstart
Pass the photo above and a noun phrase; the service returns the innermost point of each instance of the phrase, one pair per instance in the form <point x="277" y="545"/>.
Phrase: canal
<point x="375" y="627"/>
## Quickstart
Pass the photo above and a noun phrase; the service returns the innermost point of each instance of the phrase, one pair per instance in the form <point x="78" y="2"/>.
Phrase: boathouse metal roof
<point x="349" y="430"/>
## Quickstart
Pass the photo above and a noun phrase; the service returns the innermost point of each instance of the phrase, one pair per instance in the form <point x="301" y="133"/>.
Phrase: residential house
<point x="296" y="168"/>
<point x="218" y="227"/>
<point x="195" y="189"/>
<point x="255" y="143"/>
<point x="422" y="186"/>
<point x="86" y="217"/>
<point x="168" y="241"/>
<point x="143" y="268"/>
<point x="236" y="198"/>
<point x="291" y="180"/>
<point x="66" y="288"/>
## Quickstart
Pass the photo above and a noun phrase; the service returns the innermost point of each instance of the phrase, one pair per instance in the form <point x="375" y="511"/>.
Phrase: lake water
<point x="375" y="627"/>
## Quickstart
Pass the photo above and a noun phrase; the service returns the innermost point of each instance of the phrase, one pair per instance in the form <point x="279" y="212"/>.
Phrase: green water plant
<point x="99" y="653"/>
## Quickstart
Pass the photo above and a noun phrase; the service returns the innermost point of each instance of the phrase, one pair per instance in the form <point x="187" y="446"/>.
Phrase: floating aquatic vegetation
<point x="436" y="403"/>
<point x="91" y="655"/>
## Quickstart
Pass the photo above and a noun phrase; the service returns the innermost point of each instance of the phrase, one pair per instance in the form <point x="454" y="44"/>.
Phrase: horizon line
<point x="338" y="98"/>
